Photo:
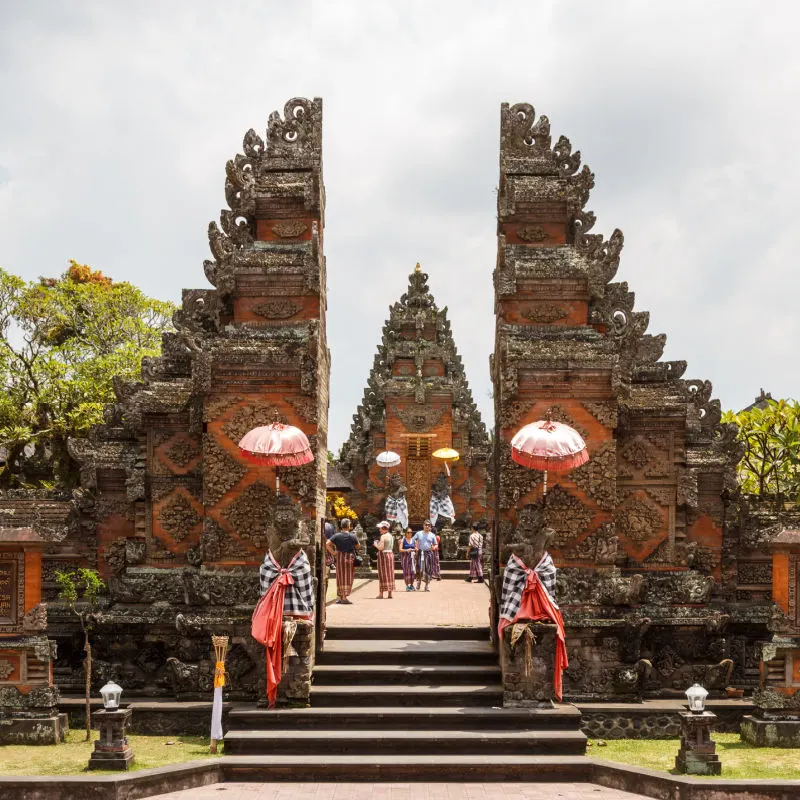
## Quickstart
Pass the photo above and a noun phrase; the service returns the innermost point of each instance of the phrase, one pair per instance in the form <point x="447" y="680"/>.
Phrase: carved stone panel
<point x="418" y="483"/>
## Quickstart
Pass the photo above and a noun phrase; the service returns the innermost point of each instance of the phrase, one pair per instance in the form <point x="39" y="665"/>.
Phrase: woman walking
<point x="344" y="545"/>
<point x="385" y="547"/>
<point x="475" y="555"/>
<point x="407" y="558"/>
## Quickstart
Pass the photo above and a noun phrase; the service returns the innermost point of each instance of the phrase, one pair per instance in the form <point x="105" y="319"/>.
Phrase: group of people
<point x="419" y="558"/>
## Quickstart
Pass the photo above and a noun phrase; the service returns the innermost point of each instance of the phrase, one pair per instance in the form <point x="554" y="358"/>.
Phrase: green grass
<point x="71" y="757"/>
<point x="739" y="759"/>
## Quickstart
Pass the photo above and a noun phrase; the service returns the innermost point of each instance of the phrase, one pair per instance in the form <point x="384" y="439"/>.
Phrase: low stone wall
<point x="654" y="719"/>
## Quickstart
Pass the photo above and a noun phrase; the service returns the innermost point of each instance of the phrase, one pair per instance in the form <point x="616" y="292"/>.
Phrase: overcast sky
<point x="116" y="120"/>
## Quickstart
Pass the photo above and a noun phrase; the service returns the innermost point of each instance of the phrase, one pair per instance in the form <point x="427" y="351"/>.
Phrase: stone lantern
<point x="697" y="755"/>
<point x="111" y="750"/>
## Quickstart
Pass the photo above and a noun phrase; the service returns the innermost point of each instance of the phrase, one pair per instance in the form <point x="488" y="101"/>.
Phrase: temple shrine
<point x="665" y="574"/>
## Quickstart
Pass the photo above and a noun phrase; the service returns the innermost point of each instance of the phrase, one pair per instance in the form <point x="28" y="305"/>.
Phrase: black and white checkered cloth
<point x="299" y="598"/>
<point x="441" y="505"/>
<point x="397" y="509"/>
<point x="515" y="576"/>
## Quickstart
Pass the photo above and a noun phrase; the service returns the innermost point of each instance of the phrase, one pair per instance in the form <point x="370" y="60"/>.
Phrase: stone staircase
<point x="393" y="701"/>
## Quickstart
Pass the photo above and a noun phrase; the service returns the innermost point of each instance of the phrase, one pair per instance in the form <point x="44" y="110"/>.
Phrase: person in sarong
<point x="436" y="569"/>
<point x="385" y="548"/>
<point x="475" y="555"/>
<point x="344" y="545"/>
<point x="425" y="545"/>
<point x="407" y="558"/>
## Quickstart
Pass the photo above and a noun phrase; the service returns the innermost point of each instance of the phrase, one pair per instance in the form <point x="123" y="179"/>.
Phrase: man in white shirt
<point x="425" y="545"/>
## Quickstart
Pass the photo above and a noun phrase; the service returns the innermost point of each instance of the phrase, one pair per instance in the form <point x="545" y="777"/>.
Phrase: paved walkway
<point x="449" y="602"/>
<point x="400" y="791"/>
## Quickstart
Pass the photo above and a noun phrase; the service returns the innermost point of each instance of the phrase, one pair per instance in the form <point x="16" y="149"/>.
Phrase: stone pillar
<point x="697" y="755"/>
<point x="528" y="665"/>
<point x="28" y="698"/>
<point x="111" y="750"/>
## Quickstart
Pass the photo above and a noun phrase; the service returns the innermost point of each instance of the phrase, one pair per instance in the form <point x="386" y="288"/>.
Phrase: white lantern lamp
<point x="111" y="694"/>
<point x="696" y="695"/>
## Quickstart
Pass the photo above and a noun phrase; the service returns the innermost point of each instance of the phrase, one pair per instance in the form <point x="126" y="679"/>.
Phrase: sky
<point x="116" y="120"/>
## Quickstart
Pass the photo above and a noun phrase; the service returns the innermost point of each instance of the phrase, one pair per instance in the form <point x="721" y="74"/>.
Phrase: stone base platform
<point x="652" y="719"/>
<point x="766" y="732"/>
<point x="34" y="729"/>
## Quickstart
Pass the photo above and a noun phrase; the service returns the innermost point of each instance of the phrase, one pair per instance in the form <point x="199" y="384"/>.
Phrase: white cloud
<point x="118" y="120"/>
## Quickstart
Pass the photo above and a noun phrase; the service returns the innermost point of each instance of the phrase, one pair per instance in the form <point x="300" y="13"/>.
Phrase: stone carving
<point x="638" y="519"/>
<point x="605" y="412"/>
<point x="542" y="314"/>
<point x="277" y="309"/>
<point x="637" y="453"/>
<point x="251" y="515"/>
<point x="512" y="413"/>
<point x="597" y="477"/>
<point x="182" y="452"/>
<point x="221" y="471"/>
<point x="306" y="408"/>
<point x="419" y="419"/>
<point x="35" y="620"/>
<point x="6" y="669"/>
<point x="178" y="518"/>
<point x="567" y="515"/>
<point x="248" y="417"/>
<point x="531" y="233"/>
<point x="289" y="229"/>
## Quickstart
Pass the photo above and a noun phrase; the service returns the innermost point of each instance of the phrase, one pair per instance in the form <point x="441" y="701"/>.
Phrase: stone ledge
<point x="459" y="769"/>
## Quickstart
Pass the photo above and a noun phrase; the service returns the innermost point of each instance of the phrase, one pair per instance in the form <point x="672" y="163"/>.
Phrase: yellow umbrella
<point x="448" y="455"/>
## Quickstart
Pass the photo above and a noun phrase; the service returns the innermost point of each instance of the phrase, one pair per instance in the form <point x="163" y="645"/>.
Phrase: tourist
<point x="385" y="548"/>
<point x="407" y="554"/>
<point x="436" y="570"/>
<point x="330" y="530"/>
<point x="344" y="545"/>
<point x="475" y="555"/>
<point x="425" y="545"/>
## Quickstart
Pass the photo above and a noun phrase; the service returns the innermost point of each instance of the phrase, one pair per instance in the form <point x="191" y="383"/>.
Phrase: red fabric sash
<point x="267" y="629"/>
<point x="536" y="606"/>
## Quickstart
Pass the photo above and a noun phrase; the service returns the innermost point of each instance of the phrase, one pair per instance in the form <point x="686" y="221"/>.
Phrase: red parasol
<point x="276" y="445"/>
<point x="549" y="445"/>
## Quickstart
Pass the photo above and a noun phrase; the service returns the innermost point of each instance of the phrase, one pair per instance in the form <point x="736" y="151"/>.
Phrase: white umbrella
<point x="388" y="458"/>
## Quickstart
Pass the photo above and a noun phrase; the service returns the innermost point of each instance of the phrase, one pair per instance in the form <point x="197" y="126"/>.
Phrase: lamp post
<point x="697" y="754"/>
<point x="111" y="750"/>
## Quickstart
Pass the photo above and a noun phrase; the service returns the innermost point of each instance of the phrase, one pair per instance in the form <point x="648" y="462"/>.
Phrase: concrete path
<point x="400" y="791"/>
<point x="447" y="603"/>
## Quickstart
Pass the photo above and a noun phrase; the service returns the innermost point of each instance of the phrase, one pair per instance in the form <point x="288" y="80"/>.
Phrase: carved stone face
<point x="396" y="486"/>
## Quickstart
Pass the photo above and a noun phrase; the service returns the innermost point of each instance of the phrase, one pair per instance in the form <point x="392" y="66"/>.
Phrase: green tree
<point x="81" y="590"/>
<point x="62" y="340"/>
<point x="770" y="433"/>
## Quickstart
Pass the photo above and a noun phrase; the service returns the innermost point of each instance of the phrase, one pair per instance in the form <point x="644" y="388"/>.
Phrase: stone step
<point x="376" y="717"/>
<point x="390" y="768"/>
<point x="398" y="674"/>
<point x="408" y="633"/>
<point x="409" y="652"/>
<point x="478" y="694"/>
<point x="405" y="742"/>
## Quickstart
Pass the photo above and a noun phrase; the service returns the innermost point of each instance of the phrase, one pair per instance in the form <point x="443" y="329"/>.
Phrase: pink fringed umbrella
<point x="548" y="445"/>
<point x="276" y="445"/>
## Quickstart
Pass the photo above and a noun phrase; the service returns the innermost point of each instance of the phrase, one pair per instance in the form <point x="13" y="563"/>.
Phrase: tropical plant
<point x="770" y="433"/>
<point x="81" y="590"/>
<point x="62" y="341"/>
